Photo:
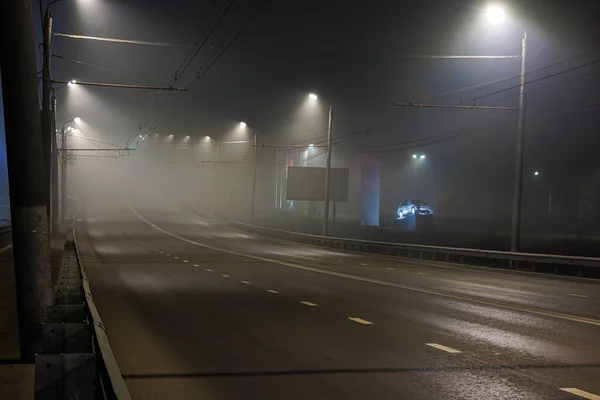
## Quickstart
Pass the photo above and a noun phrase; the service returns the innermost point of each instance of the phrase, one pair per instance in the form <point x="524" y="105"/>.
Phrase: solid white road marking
<point x="308" y="303"/>
<point x="272" y="291"/>
<point x="577" y="295"/>
<point x="462" y="279"/>
<point x="246" y="282"/>
<point x="581" y="393"/>
<point x="363" y="264"/>
<point x="537" y="311"/>
<point x="360" y="321"/>
<point x="443" y="348"/>
<point x="225" y="276"/>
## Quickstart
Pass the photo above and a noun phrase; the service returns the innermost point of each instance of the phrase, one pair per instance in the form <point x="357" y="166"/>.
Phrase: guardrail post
<point x="580" y="272"/>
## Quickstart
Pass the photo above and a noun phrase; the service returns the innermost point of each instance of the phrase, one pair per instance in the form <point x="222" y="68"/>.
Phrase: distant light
<point x="536" y="173"/>
<point x="313" y="96"/>
<point x="243" y="124"/>
<point x="207" y="137"/>
<point x="187" y="137"/>
<point x="422" y="156"/>
<point x="311" y="145"/>
<point x="495" y="14"/>
<point x="171" y="135"/>
<point x="72" y="82"/>
<point x="414" y="156"/>
<point x="77" y="120"/>
<point x="141" y="136"/>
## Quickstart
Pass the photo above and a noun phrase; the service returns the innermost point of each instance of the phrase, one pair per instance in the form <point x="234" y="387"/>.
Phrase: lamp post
<point x="63" y="164"/>
<point x="325" y="230"/>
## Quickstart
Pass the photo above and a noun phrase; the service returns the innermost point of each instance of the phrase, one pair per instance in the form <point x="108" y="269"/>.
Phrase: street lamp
<point x="325" y="232"/>
<point x="422" y="156"/>
<point x="496" y="14"/>
<point x="242" y="124"/>
<point x="536" y="173"/>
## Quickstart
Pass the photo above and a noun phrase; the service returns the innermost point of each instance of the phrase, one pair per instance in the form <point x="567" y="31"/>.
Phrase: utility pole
<point x="46" y="114"/>
<point x="254" y="178"/>
<point x="63" y="176"/>
<point x="515" y="236"/>
<point x="216" y="184"/>
<point x="54" y="218"/>
<point x="26" y="172"/>
<point x="327" y="178"/>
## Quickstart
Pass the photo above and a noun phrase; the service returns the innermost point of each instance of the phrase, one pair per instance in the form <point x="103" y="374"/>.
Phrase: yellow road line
<point x="443" y="348"/>
<point x="581" y="393"/>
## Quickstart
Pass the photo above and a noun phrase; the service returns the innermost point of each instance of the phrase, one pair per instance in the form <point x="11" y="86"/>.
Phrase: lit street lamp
<point x="325" y="231"/>
<point x="496" y="15"/>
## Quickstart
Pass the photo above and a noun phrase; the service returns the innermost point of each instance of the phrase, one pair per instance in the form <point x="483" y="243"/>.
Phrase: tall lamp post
<point x="496" y="15"/>
<point x="325" y="230"/>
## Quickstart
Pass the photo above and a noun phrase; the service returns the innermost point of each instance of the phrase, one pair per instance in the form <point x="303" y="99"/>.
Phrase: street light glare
<point x="414" y="156"/>
<point x="77" y="120"/>
<point x="495" y="14"/>
<point x="536" y="173"/>
<point x="72" y="82"/>
<point x="422" y="156"/>
<point x="313" y="96"/>
<point x="243" y="124"/>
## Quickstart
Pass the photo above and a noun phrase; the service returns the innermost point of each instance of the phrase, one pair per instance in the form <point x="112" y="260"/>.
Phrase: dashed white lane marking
<point x="209" y="270"/>
<point x="168" y="255"/>
<point x="272" y="291"/>
<point x="581" y="393"/>
<point x="196" y="265"/>
<point x="225" y="276"/>
<point x="443" y="348"/>
<point x="308" y="303"/>
<point x="390" y="269"/>
<point x="577" y="295"/>
<point x="185" y="261"/>
<point x="530" y="310"/>
<point x="462" y="279"/>
<point x="360" y="321"/>
<point x="175" y="257"/>
<point x="363" y="264"/>
<point x="162" y="252"/>
<point x="246" y="282"/>
<point x="421" y="273"/>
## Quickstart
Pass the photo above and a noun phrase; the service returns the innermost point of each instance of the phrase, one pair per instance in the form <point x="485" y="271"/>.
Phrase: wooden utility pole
<point x="31" y="244"/>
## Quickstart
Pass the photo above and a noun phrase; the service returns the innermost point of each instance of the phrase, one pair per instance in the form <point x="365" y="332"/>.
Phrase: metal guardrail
<point x="111" y="379"/>
<point x="557" y="264"/>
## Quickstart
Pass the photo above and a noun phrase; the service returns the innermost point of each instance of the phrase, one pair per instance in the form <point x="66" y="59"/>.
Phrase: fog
<point x="189" y="148"/>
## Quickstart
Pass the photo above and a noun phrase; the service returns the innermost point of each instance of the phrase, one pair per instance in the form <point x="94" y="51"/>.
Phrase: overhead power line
<point x="539" y="79"/>
<point x="203" y="71"/>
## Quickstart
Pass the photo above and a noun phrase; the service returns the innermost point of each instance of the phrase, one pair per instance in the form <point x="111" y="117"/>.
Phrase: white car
<point x="407" y="207"/>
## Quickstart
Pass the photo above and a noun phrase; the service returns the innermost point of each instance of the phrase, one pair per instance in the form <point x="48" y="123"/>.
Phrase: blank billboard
<point x="308" y="184"/>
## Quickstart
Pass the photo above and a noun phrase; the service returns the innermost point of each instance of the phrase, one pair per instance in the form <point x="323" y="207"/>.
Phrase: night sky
<point x="354" y="54"/>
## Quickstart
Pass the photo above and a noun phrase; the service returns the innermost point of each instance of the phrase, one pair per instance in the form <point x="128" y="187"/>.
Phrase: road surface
<point x="195" y="309"/>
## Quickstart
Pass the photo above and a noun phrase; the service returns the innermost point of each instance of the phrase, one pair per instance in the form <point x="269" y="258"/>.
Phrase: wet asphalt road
<point x="195" y="309"/>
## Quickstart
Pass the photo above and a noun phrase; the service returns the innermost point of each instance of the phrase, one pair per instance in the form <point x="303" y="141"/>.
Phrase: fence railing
<point x="553" y="263"/>
<point x="111" y="380"/>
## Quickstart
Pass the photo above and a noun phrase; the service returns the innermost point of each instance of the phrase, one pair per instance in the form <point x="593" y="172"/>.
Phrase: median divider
<point x="587" y="267"/>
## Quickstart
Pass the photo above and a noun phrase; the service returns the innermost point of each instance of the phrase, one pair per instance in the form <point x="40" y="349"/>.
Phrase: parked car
<point x="412" y="207"/>
<point x="423" y="208"/>
<point x="407" y="207"/>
